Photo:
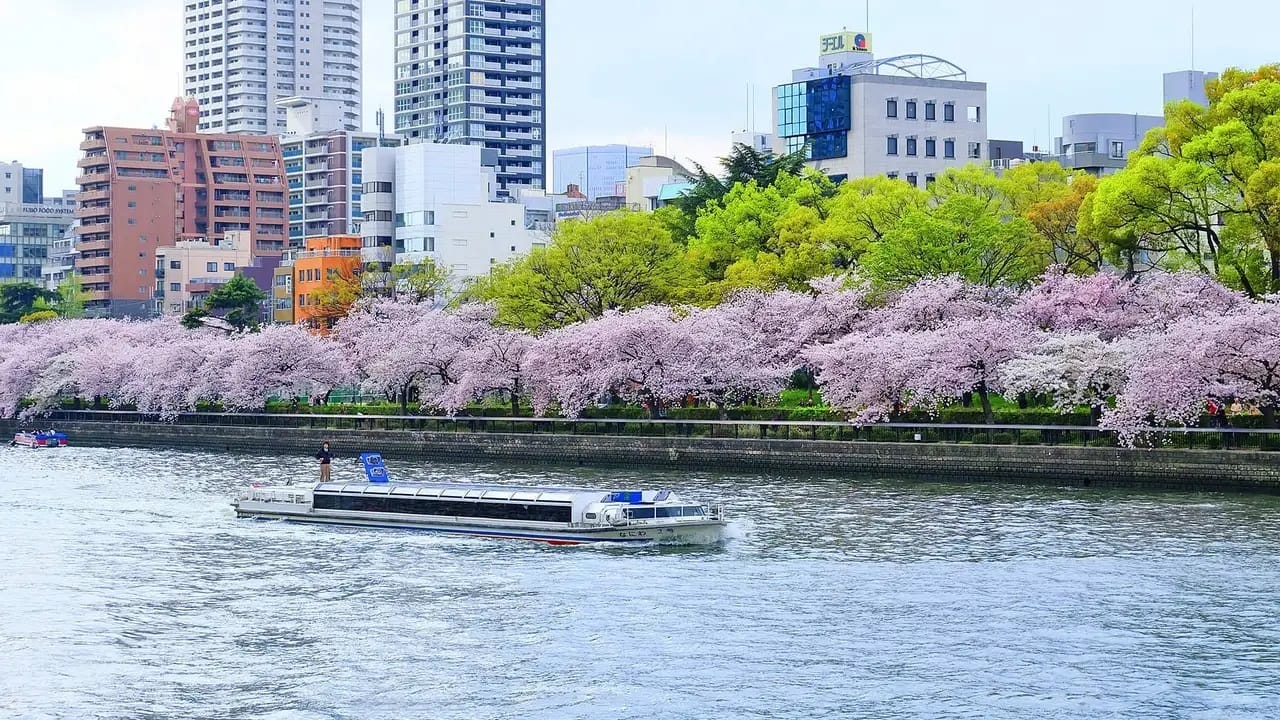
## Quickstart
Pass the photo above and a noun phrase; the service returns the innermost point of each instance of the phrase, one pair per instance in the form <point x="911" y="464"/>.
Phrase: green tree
<point x="743" y="164"/>
<point x="70" y="303"/>
<point x="861" y="212"/>
<point x="37" y="316"/>
<point x="20" y="298"/>
<point x="424" y="282"/>
<point x="964" y="235"/>
<point x="1057" y="220"/>
<point x="237" y="302"/>
<point x="616" y="261"/>
<point x="1203" y="192"/>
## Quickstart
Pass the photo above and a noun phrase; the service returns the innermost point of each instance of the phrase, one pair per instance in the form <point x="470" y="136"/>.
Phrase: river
<point x="131" y="591"/>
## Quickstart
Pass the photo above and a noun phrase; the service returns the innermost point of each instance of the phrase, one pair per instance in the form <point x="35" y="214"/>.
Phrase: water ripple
<point x="130" y="591"/>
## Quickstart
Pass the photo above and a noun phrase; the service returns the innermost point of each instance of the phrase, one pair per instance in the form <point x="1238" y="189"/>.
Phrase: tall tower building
<point x="244" y="55"/>
<point x="471" y="71"/>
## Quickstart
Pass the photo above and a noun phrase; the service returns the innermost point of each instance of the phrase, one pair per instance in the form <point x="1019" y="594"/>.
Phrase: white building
<point x="241" y="56"/>
<point x="908" y="116"/>
<point x="28" y="235"/>
<point x="1187" y="85"/>
<point x="439" y="203"/>
<point x="19" y="184"/>
<point x="1100" y="143"/>
<point x="597" y="170"/>
<point x="654" y="181"/>
<point x="758" y="141"/>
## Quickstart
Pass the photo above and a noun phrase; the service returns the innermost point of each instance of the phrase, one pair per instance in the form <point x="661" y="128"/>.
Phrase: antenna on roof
<point x="867" y="25"/>
<point x="1193" y="36"/>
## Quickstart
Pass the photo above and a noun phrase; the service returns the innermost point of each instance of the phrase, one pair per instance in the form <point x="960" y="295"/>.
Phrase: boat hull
<point x="699" y="533"/>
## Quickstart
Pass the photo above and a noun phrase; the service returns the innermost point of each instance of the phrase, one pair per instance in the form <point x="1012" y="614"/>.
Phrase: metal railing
<point x="902" y="432"/>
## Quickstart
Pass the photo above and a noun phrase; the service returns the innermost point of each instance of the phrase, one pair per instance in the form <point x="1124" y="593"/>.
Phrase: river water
<point x="129" y="590"/>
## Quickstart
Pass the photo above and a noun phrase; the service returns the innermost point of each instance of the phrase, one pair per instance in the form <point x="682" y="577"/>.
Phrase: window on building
<point x="930" y="110"/>
<point x="911" y="146"/>
<point x="929" y="179"/>
<point x="974" y="113"/>
<point x="133" y="204"/>
<point x="892" y="175"/>
<point x="949" y="112"/>
<point x="949" y="148"/>
<point x="911" y="179"/>
<point x="930" y="147"/>
<point x="911" y="109"/>
<point x="892" y="146"/>
<point x="175" y="287"/>
<point x="211" y="267"/>
<point x="975" y="150"/>
<point x="175" y="264"/>
<point x="891" y="108"/>
<point x="1117" y="149"/>
<point x="229" y="267"/>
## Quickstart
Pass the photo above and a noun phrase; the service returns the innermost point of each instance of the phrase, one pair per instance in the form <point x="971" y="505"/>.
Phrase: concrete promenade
<point x="1082" y="466"/>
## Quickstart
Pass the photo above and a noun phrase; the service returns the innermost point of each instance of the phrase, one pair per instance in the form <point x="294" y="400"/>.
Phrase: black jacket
<point x="325" y="457"/>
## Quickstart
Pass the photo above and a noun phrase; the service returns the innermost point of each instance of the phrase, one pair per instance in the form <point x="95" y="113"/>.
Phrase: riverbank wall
<point x="1162" y="469"/>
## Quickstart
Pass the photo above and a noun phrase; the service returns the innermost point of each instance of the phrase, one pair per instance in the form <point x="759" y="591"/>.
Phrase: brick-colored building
<point x="323" y="260"/>
<point x="141" y="189"/>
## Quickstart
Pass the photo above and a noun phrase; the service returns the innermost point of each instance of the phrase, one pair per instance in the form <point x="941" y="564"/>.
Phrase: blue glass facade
<point x="818" y="114"/>
<point x="32" y="186"/>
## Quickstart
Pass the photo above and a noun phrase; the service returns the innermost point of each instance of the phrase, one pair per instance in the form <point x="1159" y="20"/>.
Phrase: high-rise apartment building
<point x="244" y="55"/>
<point x="323" y="169"/>
<point x="141" y="189"/>
<point x="471" y="71"/>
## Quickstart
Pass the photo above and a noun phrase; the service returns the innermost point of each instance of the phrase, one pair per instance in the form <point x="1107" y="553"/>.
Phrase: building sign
<point x="843" y="42"/>
<point x="60" y="211"/>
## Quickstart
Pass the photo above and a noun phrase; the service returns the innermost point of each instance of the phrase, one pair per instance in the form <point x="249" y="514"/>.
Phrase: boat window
<point x="690" y="510"/>
<point x="640" y="513"/>
<point x="589" y="516"/>
<point x="446" y="508"/>
<point x="668" y="512"/>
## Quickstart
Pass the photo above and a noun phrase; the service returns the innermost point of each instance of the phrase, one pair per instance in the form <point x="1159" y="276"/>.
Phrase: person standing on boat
<point x="326" y="459"/>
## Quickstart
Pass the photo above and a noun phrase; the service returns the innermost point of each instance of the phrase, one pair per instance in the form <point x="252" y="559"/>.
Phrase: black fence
<point x="1050" y="435"/>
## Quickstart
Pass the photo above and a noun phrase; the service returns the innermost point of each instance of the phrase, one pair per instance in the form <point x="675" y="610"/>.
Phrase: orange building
<point x="324" y="260"/>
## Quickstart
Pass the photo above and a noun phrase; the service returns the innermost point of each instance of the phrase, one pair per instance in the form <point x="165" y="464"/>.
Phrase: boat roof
<point x="479" y="491"/>
<point x="468" y="491"/>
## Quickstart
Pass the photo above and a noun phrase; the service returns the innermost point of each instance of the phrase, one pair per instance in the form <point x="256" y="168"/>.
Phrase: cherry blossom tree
<point x="933" y="302"/>
<point x="492" y="362"/>
<point x="875" y="374"/>
<point x="1231" y="357"/>
<point x="869" y="374"/>
<point x="1073" y="368"/>
<point x="643" y="355"/>
<point x="283" y="361"/>
<point x="1112" y="306"/>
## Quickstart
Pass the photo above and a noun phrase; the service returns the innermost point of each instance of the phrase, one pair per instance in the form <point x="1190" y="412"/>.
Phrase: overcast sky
<point x="671" y="73"/>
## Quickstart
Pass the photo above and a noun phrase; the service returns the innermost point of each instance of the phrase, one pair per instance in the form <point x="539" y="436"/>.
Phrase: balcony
<point x="94" y="143"/>
<point x="93" y="177"/>
<point x="93" y="195"/>
<point x="93" y="161"/>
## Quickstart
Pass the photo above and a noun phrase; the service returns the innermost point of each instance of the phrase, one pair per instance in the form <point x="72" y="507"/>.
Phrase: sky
<point x="674" y="74"/>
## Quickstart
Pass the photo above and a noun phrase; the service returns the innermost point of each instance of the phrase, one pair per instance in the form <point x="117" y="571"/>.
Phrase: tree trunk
<point x="1269" y="415"/>
<point x="515" y="402"/>
<point x="1275" y="270"/>
<point x="985" y="397"/>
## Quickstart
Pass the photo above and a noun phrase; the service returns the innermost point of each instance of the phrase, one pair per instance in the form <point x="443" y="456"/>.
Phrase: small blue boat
<point x="40" y="439"/>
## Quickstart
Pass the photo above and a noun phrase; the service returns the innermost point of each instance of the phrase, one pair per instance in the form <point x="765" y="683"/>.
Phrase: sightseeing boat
<point x="40" y="439"/>
<point x="559" y="516"/>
